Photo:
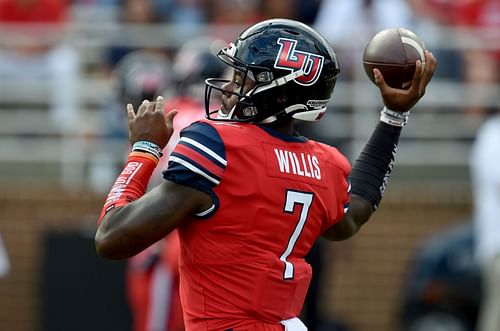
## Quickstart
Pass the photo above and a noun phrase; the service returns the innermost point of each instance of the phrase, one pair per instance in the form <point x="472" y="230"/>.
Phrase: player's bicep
<point x="169" y="204"/>
<point x="358" y="213"/>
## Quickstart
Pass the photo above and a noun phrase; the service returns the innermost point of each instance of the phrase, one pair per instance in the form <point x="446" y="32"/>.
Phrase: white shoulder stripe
<point x="205" y="149"/>
<point x="193" y="169"/>
<point x="203" y="213"/>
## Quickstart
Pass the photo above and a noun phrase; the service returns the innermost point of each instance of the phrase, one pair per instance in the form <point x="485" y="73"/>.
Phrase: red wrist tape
<point x="132" y="182"/>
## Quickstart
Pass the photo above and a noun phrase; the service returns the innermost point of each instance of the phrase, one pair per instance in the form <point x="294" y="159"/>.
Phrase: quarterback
<point x="247" y="193"/>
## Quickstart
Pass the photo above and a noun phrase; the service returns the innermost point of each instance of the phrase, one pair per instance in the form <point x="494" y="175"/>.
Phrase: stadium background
<point x="46" y="192"/>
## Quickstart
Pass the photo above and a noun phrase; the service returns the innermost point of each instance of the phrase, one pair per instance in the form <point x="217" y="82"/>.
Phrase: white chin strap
<point x="310" y="115"/>
<point x="225" y="116"/>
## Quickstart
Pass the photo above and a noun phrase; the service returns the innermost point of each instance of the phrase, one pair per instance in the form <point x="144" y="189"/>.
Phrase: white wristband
<point x="394" y="118"/>
<point x="149" y="147"/>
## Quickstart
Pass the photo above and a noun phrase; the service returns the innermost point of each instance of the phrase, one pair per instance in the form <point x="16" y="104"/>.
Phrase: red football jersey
<point x="243" y="260"/>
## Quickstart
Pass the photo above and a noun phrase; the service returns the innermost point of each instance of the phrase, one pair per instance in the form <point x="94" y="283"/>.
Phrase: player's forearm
<point x="369" y="176"/>
<point x="372" y="169"/>
<point x="116" y="233"/>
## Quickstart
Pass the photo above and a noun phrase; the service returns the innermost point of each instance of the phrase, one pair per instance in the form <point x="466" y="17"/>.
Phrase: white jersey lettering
<point x="304" y="165"/>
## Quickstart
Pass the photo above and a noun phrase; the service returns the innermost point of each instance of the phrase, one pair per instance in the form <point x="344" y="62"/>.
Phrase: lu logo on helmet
<point x="291" y="59"/>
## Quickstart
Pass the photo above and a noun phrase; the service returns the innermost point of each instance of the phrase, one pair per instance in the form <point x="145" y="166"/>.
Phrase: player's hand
<point x="402" y="100"/>
<point x="150" y="123"/>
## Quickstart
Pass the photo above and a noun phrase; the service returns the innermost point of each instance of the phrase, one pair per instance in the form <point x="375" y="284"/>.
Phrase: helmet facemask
<point x="246" y="108"/>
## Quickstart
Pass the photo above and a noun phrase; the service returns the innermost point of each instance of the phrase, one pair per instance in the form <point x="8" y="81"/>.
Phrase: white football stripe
<point x="205" y="149"/>
<point x="414" y="44"/>
<point x="193" y="169"/>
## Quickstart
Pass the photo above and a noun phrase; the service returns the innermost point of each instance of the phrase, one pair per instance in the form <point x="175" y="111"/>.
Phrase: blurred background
<point x="63" y="138"/>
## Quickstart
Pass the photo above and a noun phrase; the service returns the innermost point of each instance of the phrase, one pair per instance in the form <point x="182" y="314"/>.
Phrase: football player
<point x="248" y="195"/>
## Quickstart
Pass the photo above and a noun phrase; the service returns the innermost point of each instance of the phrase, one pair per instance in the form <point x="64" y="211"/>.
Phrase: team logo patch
<point x="291" y="59"/>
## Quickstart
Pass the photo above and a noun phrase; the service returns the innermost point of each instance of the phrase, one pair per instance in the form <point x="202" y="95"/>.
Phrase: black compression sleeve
<point x="370" y="172"/>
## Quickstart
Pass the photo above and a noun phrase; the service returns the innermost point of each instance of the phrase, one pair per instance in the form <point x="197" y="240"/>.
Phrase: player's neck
<point x="285" y="126"/>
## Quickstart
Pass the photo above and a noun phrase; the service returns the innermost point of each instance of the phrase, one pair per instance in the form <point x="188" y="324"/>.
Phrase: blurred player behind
<point x="152" y="275"/>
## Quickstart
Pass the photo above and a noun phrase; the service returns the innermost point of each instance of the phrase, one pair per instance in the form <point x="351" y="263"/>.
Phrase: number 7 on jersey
<point x="292" y="198"/>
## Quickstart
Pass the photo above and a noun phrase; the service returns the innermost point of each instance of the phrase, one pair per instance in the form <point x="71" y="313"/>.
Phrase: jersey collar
<point x="296" y="137"/>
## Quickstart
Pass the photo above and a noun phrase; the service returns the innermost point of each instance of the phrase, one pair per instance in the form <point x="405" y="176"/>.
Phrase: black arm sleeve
<point x="370" y="172"/>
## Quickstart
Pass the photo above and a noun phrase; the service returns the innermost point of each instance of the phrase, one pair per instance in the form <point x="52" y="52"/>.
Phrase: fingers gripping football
<point x="402" y="100"/>
<point x="149" y="123"/>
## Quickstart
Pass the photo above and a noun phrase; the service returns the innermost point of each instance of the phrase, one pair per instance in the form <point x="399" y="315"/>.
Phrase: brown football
<point x="394" y="52"/>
